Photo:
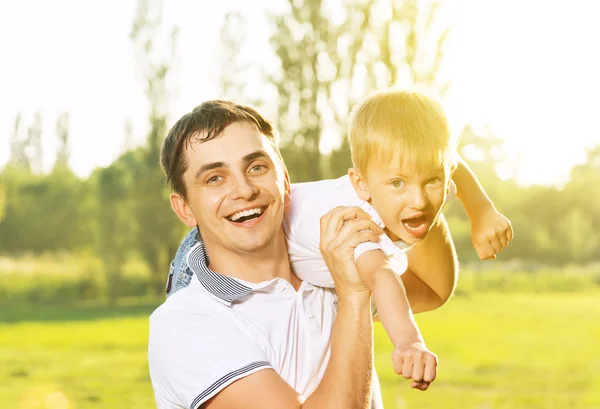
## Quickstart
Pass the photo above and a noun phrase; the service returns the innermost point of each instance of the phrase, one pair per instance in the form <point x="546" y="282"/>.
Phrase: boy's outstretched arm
<point x="432" y="271"/>
<point x="411" y="358"/>
<point x="490" y="230"/>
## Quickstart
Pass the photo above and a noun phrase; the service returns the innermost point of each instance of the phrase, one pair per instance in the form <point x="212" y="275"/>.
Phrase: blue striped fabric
<point x="223" y="380"/>
<point x="226" y="288"/>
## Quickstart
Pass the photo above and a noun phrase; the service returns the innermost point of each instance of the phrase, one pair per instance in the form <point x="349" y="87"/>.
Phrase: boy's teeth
<point x="245" y="213"/>
<point x="417" y="227"/>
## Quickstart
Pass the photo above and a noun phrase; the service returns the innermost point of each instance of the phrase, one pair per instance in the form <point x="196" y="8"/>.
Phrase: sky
<point x="528" y="70"/>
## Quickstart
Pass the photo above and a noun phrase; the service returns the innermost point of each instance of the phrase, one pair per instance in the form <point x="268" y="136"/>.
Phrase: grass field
<point x="496" y="352"/>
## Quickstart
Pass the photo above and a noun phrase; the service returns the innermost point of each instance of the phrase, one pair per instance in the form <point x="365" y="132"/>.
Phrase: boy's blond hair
<point x="402" y="125"/>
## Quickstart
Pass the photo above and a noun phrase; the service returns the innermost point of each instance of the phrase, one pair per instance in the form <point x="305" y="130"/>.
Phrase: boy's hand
<point x="491" y="232"/>
<point x="414" y="361"/>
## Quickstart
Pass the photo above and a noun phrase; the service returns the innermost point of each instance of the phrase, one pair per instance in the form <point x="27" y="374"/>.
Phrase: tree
<point x="114" y="231"/>
<point x="34" y="143"/>
<point x="302" y="37"/>
<point x="43" y="212"/>
<point x="582" y="197"/>
<point x="382" y="44"/>
<point x="62" y="134"/>
<point x="18" y="146"/>
<point x="330" y="59"/>
<point x="159" y="231"/>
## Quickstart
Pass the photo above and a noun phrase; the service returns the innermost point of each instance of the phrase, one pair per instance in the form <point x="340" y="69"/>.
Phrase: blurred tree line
<point x="327" y="61"/>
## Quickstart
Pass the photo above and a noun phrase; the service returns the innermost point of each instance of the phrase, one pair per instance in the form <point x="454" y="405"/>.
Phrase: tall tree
<point x="382" y="44"/>
<point x="330" y="58"/>
<point x="18" y="146"/>
<point x="159" y="231"/>
<point x="232" y="35"/>
<point x="301" y="38"/>
<point x="34" y="143"/>
<point x="62" y="134"/>
<point x="114" y="223"/>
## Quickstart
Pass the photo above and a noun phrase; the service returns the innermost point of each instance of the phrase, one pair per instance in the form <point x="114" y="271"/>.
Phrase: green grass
<point x="506" y="351"/>
<point x="496" y="351"/>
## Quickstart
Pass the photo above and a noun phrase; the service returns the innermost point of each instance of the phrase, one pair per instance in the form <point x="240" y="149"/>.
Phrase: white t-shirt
<point x="219" y="329"/>
<point x="310" y="201"/>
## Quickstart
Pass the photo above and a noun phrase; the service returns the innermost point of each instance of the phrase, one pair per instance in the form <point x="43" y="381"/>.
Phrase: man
<point x="246" y="332"/>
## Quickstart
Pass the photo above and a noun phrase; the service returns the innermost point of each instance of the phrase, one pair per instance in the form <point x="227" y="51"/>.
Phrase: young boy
<point x="403" y="157"/>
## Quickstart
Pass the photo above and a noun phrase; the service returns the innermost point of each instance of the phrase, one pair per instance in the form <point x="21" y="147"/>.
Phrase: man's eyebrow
<point x="256" y="155"/>
<point x="209" y="166"/>
<point x="246" y="159"/>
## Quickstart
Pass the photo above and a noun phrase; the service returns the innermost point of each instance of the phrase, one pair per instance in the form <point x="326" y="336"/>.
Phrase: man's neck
<point x="256" y="266"/>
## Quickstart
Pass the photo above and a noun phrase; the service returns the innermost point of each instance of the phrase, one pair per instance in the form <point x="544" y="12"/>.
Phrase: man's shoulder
<point x="188" y="306"/>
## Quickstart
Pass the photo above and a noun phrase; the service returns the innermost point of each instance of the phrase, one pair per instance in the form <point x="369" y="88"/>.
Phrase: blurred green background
<point x="84" y="254"/>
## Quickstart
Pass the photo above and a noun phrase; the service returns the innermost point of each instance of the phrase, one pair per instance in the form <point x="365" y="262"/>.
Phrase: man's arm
<point x="432" y="269"/>
<point x="347" y="379"/>
<point x="345" y="384"/>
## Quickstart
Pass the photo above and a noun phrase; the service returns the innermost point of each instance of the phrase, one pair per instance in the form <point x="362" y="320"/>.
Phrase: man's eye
<point x="257" y="168"/>
<point x="397" y="183"/>
<point x="213" y="179"/>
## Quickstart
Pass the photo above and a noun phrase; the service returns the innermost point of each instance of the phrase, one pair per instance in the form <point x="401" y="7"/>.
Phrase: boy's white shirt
<point x="310" y="201"/>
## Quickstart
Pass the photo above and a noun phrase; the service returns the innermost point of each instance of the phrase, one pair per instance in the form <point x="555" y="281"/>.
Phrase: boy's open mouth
<point x="246" y="215"/>
<point x="417" y="226"/>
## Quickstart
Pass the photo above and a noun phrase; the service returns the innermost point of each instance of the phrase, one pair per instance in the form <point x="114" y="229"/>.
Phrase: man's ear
<point x="288" y="189"/>
<point x="286" y="181"/>
<point x="182" y="210"/>
<point x="359" y="184"/>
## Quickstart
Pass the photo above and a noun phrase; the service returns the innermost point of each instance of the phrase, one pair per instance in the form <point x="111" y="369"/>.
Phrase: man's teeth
<point x="245" y="213"/>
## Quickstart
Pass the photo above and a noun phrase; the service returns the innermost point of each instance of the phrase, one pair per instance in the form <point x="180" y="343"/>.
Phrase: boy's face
<point x="407" y="200"/>
<point x="236" y="186"/>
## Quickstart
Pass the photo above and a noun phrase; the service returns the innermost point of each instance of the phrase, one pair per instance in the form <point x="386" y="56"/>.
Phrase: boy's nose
<point x="419" y="199"/>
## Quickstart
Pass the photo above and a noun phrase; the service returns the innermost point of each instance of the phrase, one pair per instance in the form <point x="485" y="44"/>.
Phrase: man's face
<point x="235" y="190"/>
<point x="408" y="201"/>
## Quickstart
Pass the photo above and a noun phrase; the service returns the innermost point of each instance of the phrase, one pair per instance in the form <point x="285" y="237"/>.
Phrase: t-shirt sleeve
<point x="193" y="358"/>
<point x="302" y="226"/>
<point x="397" y="257"/>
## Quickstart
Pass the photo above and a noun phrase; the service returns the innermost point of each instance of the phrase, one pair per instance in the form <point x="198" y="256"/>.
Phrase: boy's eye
<point x="397" y="183"/>
<point x="435" y="181"/>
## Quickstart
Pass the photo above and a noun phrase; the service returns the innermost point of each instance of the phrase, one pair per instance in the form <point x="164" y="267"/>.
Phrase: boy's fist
<point x="415" y="362"/>
<point x="491" y="232"/>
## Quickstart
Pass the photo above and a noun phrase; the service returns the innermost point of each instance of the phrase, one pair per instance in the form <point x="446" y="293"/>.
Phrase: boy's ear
<point x="359" y="184"/>
<point x="451" y="186"/>
<point x="182" y="210"/>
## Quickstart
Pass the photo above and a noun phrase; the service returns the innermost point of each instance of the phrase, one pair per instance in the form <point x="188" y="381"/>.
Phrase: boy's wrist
<point x="474" y="208"/>
<point x="407" y="342"/>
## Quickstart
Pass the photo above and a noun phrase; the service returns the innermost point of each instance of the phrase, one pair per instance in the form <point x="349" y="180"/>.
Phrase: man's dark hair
<point x="207" y="121"/>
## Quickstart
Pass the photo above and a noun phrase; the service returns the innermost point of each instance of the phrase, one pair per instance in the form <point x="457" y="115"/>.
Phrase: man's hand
<point x="342" y="229"/>
<point x="491" y="232"/>
<point x="414" y="361"/>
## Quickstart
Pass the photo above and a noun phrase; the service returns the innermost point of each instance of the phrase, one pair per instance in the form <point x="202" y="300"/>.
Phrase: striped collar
<point x="226" y="289"/>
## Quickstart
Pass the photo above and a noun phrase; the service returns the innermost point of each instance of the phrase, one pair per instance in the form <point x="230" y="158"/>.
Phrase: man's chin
<point x="255" y="245"/>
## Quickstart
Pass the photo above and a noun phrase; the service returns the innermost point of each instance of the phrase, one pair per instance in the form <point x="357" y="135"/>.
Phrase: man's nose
<point x="243" y="188"/>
